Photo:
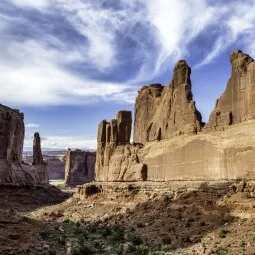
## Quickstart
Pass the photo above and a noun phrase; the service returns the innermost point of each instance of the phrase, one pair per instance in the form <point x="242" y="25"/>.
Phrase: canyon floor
<point x="129" y="218"/>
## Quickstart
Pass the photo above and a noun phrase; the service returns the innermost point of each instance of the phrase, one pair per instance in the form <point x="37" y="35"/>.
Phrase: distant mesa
<point x="170" y="140"/>
<point x="80" y="167"/>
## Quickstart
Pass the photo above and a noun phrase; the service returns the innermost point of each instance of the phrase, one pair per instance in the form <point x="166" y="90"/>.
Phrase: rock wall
<point x="12" y="170"/>
<point x="207" y="156"/>
<point x="237" y="103"/>
<point x="80" y="167"/>
<point x="221" y="150"/>
<point x="116" y="158"/>
<point x="163" y="112"/>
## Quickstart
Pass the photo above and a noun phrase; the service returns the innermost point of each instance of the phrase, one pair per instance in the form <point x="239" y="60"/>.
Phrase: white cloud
<point x="30" y="73"/>
<point x="63" y="142"/>
<point x="31" y="3"/>
<point x="32" y="125"/>
<point x="34" y="73"/>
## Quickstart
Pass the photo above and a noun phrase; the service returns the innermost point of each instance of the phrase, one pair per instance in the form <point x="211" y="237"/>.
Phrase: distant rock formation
<point x="237" y="103"/>
<point x="117" y="159"/>
<point x="80" y="167"/>
<point x="37" y="152"/>
<point x="12" y="170"/>
<point x="163" y="112"/>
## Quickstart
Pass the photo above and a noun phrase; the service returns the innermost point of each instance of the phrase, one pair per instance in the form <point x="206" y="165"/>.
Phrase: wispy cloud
<point x="32" y="125"/>
<point x="63" y="52"/>
<point x="62" y="142"/>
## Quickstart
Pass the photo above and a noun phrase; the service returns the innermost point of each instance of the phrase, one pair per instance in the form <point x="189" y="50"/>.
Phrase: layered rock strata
<point x="80" y="167"/>
<point x="163" y="112"/>
<point x="237" y="103"/>
<point x="117" y="159"/>
<point x="12" y="170"/>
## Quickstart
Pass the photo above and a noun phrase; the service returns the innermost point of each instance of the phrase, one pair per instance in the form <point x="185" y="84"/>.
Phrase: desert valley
<point x="181" y="186"/>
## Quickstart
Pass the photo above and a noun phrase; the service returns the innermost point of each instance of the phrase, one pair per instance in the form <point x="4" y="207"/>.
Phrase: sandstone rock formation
<point x="237" y="103"/>
<point x="117" y="159"/>
<point x="12" y="170"/>
<point x="37" y="152"/>
<point x="80" y="167"/>
<point x="163" y="112"/>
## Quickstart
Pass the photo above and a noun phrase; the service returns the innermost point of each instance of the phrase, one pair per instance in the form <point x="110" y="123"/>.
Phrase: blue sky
<point x="68" y="64"/>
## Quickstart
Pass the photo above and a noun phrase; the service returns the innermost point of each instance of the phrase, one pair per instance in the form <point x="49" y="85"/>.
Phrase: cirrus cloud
<point x="67" y="52"/>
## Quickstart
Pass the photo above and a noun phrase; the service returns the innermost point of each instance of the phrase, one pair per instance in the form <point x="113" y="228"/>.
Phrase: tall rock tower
<point x="237" y="103"/>
<point x="37" y="152"/>
<point x="163" y="112"/>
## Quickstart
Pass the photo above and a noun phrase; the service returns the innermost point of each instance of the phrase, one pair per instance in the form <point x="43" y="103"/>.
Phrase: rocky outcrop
<point x="37" y="152"/>
<point x="237" y="103"/>
<point x="80" y="167"/>
<point x="163" y="112"/>
<point x="117" y="159"/>
<point x="12" y="170"/>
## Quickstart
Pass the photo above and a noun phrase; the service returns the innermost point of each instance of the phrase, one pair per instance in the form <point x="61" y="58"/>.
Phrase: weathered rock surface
<point x="206" y="156"/>
<point x="163" y="112"/>
<point x="80" y="167"/>
<point x="37" y="152"/>
<point x="237" y="103"/>
<point x="117" y="159"/>
<point x="222" y="151"/>
<point x="12" y="170"/>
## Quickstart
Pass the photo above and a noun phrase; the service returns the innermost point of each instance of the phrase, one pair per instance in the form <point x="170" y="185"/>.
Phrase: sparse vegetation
<point x="223" y="233"/>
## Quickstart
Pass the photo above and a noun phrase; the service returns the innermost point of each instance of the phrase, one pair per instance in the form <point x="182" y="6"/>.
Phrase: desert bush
<point x="135" y="239"/>
<point x="222" y="233"/>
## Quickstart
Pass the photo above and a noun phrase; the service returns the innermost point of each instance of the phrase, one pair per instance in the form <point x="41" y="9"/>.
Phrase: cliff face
<point x="80" y="167"/>
<point x="12" y="170"/>
<point x="12" y="132"/>
<point x="117" y="159"/>
<point x="237" y="103"/>
<point x="163" y="112"/>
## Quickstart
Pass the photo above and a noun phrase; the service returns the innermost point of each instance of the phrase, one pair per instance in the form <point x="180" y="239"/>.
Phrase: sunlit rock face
<point x="12" y="170"/>
<point x="80" y="167"/>
<point x="163" y="112"/>
<point x="170" y="142"/>
<point x="237" y="103"/>
<point x="117" y="159"/>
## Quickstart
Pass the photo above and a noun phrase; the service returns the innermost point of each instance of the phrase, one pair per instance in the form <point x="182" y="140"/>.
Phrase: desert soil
<point x="129" y="218"/>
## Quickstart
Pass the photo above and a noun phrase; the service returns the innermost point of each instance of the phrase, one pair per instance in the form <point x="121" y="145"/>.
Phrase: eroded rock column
<point x="163" y="112"/>
<point x="37" y="151"/>
<point x="237" y="103"/>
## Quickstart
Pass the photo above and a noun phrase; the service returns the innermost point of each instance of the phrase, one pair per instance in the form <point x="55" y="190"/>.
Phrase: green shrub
<point x="135" y="239"/>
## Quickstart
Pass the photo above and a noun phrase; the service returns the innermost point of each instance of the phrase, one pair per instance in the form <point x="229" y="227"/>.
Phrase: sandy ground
<point x="129" y="218"/>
